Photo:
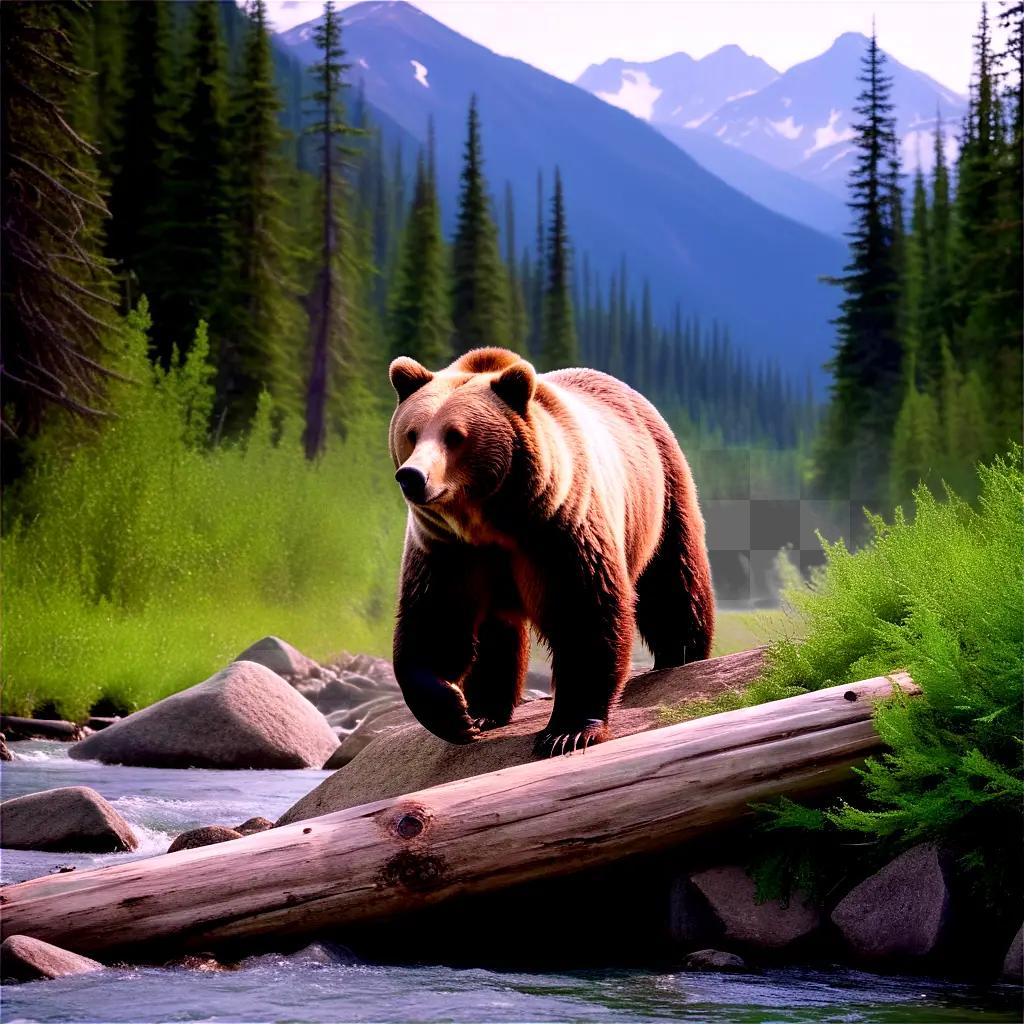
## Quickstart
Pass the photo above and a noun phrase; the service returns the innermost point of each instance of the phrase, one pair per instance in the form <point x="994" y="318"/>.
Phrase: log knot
<point x="406" y="821"/>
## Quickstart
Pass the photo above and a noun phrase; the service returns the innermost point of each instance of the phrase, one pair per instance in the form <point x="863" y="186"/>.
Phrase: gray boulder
<point x="245" y="716"/>
<point x="1013" y="964"/>
<point x="254" y="825"/>
<point x="208" y="835"/>
<point x="732" y="898"/>
<point x="279" y="656"/>
<point x="26" y="959"/>
<point x="900" y="912"/>
<point x="74" y="819"/>
<point x="380" y="722"/>
<point x="714" y="960"/>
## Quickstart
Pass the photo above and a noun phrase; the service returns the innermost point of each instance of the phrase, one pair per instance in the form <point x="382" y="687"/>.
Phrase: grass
<point x="142" y="560"/>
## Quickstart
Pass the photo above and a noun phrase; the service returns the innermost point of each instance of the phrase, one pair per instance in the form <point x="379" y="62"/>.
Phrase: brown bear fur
<point x="560" y="500"/>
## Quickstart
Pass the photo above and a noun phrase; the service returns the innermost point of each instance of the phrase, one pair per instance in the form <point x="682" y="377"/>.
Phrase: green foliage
<point x="420" y="321"/>
<point x="480" y="312"/>
<point x="141" y="560"/>
<point x="263" y="332"/>
<point x="193" y="227"/>
<point x="942" y="597"/>
<point x="868" y="360"/>
<point x="559" y="347"/>
<point x="916" y="443"/>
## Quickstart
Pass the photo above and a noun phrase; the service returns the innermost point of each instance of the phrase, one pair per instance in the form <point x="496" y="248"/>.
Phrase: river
<point x="322" y="984"/>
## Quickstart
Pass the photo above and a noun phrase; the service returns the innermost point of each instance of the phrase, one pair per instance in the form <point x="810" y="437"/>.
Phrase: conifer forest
<point x="211" y="252"/>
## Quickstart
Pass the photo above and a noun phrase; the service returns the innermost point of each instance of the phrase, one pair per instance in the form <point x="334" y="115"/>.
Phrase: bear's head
<point x="455" y="432"/>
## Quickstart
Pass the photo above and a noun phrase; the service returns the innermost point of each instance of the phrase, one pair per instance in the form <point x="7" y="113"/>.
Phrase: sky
<point x="563" y="37"/>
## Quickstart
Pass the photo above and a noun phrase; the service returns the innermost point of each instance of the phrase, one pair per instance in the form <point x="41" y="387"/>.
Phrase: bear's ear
<point x="407" y="376"/>
<point x="515" y="385"/>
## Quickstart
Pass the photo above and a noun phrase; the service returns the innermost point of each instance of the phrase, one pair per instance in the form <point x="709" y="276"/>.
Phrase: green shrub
<point x="138" y="561"/>
<point x="943" y="597"/>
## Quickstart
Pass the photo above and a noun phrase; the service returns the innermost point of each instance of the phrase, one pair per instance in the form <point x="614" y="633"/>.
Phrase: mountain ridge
<point x="629" y="190"/>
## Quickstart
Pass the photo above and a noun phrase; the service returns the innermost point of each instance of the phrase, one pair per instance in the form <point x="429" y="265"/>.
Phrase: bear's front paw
<point x="439" y="707"/>
<point x="554" y="741"/>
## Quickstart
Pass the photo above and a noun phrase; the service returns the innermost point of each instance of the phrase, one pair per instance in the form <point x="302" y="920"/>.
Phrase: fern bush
<point x="941" y="595"/>
<point x="138" y="561"/>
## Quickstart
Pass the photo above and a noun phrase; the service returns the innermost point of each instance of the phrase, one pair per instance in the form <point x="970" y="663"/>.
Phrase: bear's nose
<point x="412" y="482"/>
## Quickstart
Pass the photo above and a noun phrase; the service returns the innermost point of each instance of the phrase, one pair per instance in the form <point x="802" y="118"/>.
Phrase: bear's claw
<point x="564" y="743"/>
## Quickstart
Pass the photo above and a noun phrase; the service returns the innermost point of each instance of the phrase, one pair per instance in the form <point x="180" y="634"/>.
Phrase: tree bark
<point x="635" y="795"/>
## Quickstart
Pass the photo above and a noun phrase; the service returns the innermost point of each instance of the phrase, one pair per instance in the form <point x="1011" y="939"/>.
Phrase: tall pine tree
<point x="867" y="365"/>
<point x="480" y="315"/>
<point x="191" y="237"/>
<point x="327" y="326"/>
<point x="559" y="347"/>
<point x="420" y="322"/>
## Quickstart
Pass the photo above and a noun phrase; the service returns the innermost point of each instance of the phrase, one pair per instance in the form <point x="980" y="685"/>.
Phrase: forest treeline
<point x="927" y="368"/>
<point x="151" y="135"/>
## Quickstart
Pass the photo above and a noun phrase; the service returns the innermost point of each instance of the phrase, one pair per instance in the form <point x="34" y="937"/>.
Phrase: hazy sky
<point x="564" y="36"/>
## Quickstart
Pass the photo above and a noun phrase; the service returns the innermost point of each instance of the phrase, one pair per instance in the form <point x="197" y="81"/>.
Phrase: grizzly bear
<point x="560" y="500"/>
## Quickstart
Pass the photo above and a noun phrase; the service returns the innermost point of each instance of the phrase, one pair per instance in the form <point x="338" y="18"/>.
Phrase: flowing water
<point x="322" y="984"/>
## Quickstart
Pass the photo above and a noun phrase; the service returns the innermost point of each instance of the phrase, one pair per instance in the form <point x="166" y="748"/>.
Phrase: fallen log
<point x="635" y="795"/>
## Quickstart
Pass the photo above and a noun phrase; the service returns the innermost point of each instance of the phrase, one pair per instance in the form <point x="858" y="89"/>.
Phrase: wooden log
<point x="635" y="795"/>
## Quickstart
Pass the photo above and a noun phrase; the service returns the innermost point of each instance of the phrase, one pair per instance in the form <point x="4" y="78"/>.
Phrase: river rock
<point x="407" y="759"/>
<point x="26" y="959"/>
<point x="900" y="912"/>
<point x="74" y="819"/>
<point x="732" y="897"/>
<point x="5" y="752"/>
<point x="1013" y="964"/>
<point x="714" y="960"/>
<point x="254" y="825"/>
<point x="340" y="694"/>
<point x="245" y="716"/>
<point x="279" y="656"/>
<point x="208" y="835"/>
<point x="380" y="722"/>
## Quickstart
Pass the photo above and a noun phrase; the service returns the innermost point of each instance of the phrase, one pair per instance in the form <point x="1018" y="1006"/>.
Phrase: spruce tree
<point x="258" y="348"/>
<point x="519" y="328"/>
<point x="559" y="347"/>
<point x="420" y="322"/>
<point x="190" y="239"/>
<point x="57" y="291"/>
<point x="327" y="322"/>
<point x="867" y="364"/>
<point x="537" y="280"/>
<point x="915" y="444"/>
<point x="480" y="315"/>
<point x="938" y="310"/>
<point x="139" y="178"/>
<point x="919" y="343"/>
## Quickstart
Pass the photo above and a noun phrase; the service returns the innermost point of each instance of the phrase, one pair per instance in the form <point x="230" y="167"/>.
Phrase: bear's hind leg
<point x="494" y="685"/>
<point x="675" y="605"/>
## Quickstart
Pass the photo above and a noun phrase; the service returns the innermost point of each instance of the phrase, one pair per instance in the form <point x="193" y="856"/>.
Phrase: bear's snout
<point x="413" y="483"/>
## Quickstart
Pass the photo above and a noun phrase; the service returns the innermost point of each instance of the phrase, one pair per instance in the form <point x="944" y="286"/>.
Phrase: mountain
<point x="677" y="89"/>
<point x="802" y="121"/>
<point x="780" y="191"/>
<point x="630" y="192"/>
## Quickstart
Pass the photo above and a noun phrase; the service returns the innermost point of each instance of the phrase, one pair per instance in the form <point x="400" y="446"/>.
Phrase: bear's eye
<point x="411" y="436"/>
<point x="454" y="437"/>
